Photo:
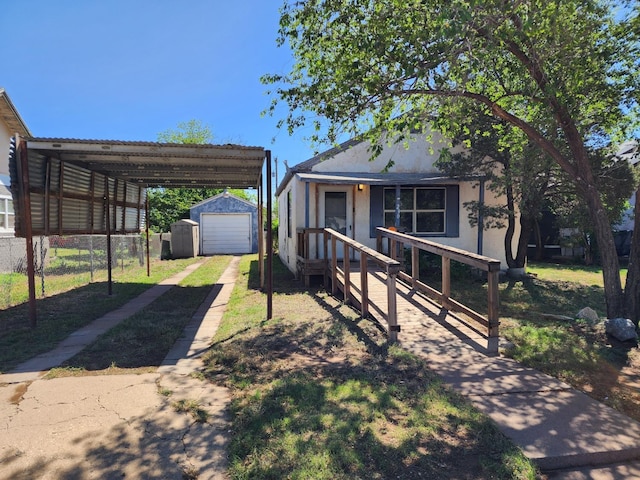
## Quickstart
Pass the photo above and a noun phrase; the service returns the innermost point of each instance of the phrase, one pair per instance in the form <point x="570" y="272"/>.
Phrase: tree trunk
<point x="526" y="227"/>
<point x="539" y="243"/>
<point x="608" y="255"/>
<point x="632" y="285"/>
<point x="511" y="227"/>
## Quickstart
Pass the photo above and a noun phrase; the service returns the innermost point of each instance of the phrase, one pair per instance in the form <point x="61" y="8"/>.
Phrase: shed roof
<point x="223" y="195"/>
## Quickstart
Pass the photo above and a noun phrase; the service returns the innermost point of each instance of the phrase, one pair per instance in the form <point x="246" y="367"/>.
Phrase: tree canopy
<point x="168" y="205"/>
<point x="385" y="66"/>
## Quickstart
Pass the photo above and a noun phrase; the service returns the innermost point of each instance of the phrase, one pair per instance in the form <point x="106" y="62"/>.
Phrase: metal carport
<point x="71" y="186"/>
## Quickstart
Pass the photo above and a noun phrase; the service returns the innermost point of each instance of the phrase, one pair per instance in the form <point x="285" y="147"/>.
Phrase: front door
<point x="335" y="211"/>
<point x="336" y="214"/>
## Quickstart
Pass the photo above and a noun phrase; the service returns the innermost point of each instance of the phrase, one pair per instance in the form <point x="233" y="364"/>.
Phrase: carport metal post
<point x="146" y="229"/>
<point x="269" y="240"/>
<point x="22" y="165"/>
<point x="260" y="232"/>
<point x="107" y="219"/>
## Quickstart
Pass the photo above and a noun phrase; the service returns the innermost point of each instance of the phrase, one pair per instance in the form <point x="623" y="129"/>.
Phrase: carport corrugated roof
<point x="70" y="181"/>
<point x="151" y="164"/>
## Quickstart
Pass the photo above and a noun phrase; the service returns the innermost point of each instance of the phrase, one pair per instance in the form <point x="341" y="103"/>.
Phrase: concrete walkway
<point x="564" y="431"/>
<point x="119" y="426"/>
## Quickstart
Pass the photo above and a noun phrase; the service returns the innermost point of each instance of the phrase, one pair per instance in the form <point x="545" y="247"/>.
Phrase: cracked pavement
<point x="120" y="426"/>
<point x="112" y="427"/>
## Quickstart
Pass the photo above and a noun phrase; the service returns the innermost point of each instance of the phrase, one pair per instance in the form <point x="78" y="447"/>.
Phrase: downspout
<point x="397" y="212"/>
<point x="481" y="218"/>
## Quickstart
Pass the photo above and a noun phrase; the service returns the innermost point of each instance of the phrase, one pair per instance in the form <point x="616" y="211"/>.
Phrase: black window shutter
<point x="376" y="212"/>
<point x="453" y="211"/>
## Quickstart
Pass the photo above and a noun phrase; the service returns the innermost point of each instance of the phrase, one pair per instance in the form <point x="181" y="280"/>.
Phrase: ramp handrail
<point x="396" y="243"/>
<point x="390" y="266"/>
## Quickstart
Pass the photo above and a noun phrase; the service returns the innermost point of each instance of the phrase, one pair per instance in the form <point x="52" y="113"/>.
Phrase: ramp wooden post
<point x="446" y="281"/>
<point x="492" y="312"/>
<point x="325" y="241"/>
<point x="364" y="285"/>
<point x="415" y="265"/>
<point x="347" y="273"/>
<point x="392" y="307"/>
<point x="334" y="266"/>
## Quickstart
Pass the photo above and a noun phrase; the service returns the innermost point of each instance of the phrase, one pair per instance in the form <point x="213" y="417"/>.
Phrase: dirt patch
<point x="19" y="392"/>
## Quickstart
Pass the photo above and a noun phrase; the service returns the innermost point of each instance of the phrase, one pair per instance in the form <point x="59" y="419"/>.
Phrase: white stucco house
<point x="10" y="124"/>
<point x="345" y="190"/>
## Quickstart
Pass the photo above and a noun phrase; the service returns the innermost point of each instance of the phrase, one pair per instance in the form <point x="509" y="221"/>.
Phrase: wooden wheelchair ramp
<point x="424" y="324"/>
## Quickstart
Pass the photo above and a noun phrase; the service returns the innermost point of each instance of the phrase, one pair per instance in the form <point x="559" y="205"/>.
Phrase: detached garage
<point x="228" y="225"/>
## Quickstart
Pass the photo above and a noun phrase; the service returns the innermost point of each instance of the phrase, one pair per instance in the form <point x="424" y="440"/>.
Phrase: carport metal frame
<point x="105" y="189"/>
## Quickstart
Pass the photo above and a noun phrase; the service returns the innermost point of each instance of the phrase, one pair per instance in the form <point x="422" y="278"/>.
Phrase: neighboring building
<point x="228" y="225"/>
<point x="10" y="124"/>
<point x="623" y="231"/>
<point x="345" y="190"/>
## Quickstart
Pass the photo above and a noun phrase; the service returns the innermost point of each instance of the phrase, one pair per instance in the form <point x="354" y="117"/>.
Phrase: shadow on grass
<point x="145" y="338"/>
<point x="322" y="395"/>
<point x="302" y="414"/>
<point x="57" y="317"/>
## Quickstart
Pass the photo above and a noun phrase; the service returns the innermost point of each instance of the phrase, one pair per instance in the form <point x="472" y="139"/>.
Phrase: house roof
<point x="10" y="115"/>
<point x="384" y="179"/>
<point x="630" y="151"/>
<point x="308" y="165"/>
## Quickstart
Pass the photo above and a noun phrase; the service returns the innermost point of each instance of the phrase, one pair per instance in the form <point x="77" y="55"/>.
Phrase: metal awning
<point x="150" y="164"/>
<point x="71" y="186"/>
<point x="70" y="181"/>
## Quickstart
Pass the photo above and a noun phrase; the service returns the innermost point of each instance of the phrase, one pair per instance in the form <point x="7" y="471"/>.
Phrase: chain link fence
<point x="65" y="262"/>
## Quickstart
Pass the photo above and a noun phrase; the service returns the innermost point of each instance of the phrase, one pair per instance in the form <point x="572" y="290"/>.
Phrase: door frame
<point x="348" y="189"/>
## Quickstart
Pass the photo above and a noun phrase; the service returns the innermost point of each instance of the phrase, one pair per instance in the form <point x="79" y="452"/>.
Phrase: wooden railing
<point x="396" y="243"/>
<point x="365" y="254"/>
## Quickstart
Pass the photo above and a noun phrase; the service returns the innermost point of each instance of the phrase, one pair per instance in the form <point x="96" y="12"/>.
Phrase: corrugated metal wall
<point x="67" y="199"/>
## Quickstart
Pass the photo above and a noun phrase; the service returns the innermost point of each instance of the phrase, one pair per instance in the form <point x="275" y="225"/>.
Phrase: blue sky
<point x="129" y="69"/>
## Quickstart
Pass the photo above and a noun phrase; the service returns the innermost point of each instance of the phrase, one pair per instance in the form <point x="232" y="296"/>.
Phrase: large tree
<point x="168" y="205"/>
<point x="361" y="64"/>
<point x="512" y="167"/>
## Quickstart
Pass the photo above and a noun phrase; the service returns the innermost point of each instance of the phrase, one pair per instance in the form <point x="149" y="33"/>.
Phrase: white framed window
<point x="7" y="214"/>
<point x="422" y="210"/>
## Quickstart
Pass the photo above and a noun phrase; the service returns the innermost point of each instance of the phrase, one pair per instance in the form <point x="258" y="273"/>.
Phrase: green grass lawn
<point x="318" y="394"/>
<point x="61" y="314"/>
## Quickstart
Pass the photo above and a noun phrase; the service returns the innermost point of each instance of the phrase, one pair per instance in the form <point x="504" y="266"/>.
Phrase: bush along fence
<point x="64" y="262"/>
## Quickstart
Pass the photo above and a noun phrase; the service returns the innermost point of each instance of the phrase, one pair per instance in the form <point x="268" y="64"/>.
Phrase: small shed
<point x="184" y="239"/>
<point x="228" y="225"/>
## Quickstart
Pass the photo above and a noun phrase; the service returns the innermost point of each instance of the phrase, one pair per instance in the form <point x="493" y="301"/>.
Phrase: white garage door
<point x="225" y="233"/>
